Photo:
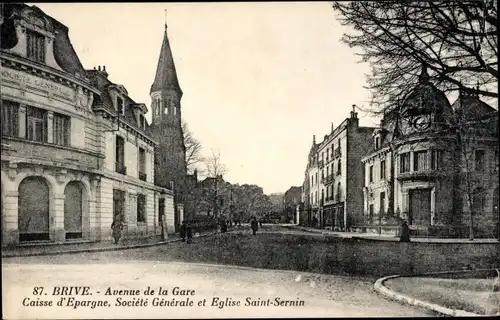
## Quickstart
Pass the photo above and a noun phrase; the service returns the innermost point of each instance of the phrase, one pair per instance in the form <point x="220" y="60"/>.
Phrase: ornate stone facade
<point x="59" y="134"/>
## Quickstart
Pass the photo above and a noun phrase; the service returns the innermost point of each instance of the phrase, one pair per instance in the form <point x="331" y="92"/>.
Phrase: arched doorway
<point x="73" y="210"/>
<point x="33" y="217"/>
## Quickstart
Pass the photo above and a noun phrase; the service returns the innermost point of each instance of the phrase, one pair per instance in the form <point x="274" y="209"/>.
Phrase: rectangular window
<point x="370" y="216"/>
<point x="141" y="208"/>
<point x="10" y="118"/>
<point x="35" y="46"/>
<point x="436" y="158"/>
<point x="120" y="155"/>
<point x="404" y="162"/>
<point x="371" y="173"/>
<point x="479" y="158"/>
<point x="36" y="124"/>
<point x="382" y="202"/>
<point x="62" y="129"/>
<point x="420" y="161"/>
<point x="382" y="169"/>
<point x="142" y="164"/>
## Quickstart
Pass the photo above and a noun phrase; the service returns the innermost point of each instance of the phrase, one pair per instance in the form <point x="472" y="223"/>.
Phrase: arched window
<point x="33" y="206"/>
<point x="73" y="210"/>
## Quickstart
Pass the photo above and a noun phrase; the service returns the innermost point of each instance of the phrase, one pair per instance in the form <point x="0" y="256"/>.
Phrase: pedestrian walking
<point x="182" y="231"/>
<point x="223" y="226"/>
<point x="117" y="227"/>
<point x="405" y="232"/>
<point x="189" y="232"/>
<point x="255" y="226"/>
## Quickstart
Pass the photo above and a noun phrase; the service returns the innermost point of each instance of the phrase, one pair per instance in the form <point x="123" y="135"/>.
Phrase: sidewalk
<point x="374" y="236"/>
<point x="55" y="248"/>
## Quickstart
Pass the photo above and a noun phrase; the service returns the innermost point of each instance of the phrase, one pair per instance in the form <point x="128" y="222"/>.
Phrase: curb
<point x="380" y="288"/>
<point x="126" y="247"/>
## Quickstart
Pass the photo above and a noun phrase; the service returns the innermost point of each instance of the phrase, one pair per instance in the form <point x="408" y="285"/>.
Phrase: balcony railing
<point x="143" y="176"/>
<point x="422" y="175"/>
<point x="327" y="179"/>
<point x="120" y="168"/>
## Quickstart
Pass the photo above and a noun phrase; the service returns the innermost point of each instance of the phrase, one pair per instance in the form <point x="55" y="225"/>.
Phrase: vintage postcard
<point x="244" y="160"/>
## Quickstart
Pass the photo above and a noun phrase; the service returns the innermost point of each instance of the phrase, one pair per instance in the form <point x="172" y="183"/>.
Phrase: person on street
<point x="260" y="222"/>
<point x="182" y="231"/>
<point x="405" y="232"/>
<point x="223" y="226"/>
<point x="255" y="226"/>
<point x="117" y="227"/>
<point x="189" y="232"/>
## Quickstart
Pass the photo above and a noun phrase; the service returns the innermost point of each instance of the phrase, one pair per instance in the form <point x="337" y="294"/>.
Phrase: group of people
<point x="186" y="230"/>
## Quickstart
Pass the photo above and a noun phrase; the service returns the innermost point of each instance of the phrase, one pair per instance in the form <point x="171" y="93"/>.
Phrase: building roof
<point x="64" y="53"/>
<point x="166" y="75"/>
<point x="99" y="79"/>
<point x="471" y="107"/>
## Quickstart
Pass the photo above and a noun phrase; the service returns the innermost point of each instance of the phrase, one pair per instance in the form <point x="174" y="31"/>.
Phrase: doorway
<point x="420" y="207"/>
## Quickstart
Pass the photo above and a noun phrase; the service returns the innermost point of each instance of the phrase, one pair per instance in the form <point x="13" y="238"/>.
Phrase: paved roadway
<point x="322" y="295"/>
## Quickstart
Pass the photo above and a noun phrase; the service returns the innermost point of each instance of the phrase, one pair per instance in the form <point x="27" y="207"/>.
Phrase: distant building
<point x="291" y="200"/>
<point x="310" y="200"/>
<point x="429" y="160"/>
<point x="334" y="176"/>
<point x="77" y="152"/>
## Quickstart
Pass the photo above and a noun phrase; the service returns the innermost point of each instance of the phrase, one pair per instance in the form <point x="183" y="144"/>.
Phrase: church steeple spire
<point x="166" y="75"/>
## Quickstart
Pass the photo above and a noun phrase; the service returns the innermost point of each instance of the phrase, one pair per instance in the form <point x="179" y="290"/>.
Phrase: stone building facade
<point x="432" y="163"/>
<point x="335" y="175"/>
<point x="62" y="175"/>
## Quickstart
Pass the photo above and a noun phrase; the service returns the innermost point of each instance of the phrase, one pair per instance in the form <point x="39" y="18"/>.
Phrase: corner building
<point x="431" y="163"/>
<point x="76" y="150"/>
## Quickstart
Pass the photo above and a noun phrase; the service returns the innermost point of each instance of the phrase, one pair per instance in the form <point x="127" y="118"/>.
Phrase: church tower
<point x="166" y="126"/>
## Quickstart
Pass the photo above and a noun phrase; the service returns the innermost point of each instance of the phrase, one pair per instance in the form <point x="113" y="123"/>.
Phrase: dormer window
<point x="120" y="108"/>
<point x="142" y="122"/>
<point x="35" y="46"/>
<point x="377" y="142"/>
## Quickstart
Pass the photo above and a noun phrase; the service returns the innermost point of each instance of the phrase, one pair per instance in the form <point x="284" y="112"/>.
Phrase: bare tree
<point x="193" y="149"/>
<point x="215" y="170"/>
<point x="455" y="39"/>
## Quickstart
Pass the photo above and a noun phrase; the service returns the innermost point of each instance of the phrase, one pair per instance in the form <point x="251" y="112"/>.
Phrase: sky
<point x="259" y="79"/>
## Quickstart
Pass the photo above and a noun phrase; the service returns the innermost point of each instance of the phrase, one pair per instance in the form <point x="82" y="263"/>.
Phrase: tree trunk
<point x="471" y="217"/>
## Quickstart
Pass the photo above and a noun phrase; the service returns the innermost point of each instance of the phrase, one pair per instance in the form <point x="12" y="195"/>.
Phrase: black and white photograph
<point x="214" y="160"/>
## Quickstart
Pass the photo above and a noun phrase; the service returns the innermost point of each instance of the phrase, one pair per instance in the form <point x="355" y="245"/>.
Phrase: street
<point x="228" y="291"/>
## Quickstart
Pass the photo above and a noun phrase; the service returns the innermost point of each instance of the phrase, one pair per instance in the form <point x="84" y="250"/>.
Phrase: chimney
<point x="332" y="126"/>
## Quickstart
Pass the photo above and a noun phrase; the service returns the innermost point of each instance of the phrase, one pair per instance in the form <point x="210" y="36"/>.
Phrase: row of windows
<point x="120" y="159"/>
<point x="381" y="206"/>
<point x="422" y="161"/>
<point x="36" y="124"/>
<point x="120" y="108"/>
<point x="158" y="106"/>
<point x="331" y="167"/>
<point x="119" y="206"/>
<point x="331" y="152"/>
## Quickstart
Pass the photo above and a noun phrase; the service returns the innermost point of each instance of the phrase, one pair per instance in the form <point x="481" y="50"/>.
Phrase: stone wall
<point x="356" y="257"/>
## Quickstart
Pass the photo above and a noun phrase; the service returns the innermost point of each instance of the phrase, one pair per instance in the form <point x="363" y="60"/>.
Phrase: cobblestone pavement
<point x="136" y="269"/>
